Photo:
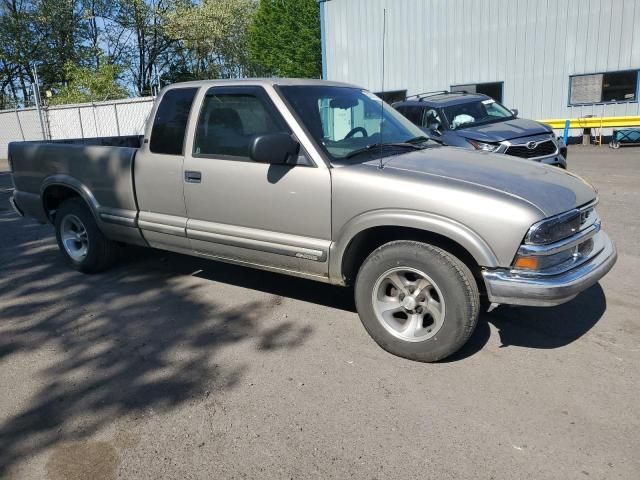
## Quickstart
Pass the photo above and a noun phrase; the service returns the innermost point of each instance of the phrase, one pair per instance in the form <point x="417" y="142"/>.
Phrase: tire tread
<point x="106" y="250"/>
<point x="463" y="274"/>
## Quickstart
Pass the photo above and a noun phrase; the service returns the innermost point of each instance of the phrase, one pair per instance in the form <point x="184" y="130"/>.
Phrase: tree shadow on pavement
<point x="141" y="337"/>
<point x="134" y="339"/>
<point x="530" y="327"/>
<point x="538" y="327"/>
<point x="268" y="282"/>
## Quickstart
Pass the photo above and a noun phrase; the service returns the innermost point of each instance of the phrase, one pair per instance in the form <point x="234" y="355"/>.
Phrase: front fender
<point x="428" y="222"/>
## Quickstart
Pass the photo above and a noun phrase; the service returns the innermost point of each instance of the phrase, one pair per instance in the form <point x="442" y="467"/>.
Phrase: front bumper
<point x="504" y="286"/>
<point x="555" y="160"/>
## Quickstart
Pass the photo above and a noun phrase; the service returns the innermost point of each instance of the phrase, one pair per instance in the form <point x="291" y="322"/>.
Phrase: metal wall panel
<point x="533" y="46"/>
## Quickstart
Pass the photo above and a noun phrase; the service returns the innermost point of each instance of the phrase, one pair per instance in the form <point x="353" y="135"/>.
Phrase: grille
<point x="546" y="147"/>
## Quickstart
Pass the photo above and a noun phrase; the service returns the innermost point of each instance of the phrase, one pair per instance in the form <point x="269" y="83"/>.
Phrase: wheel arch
<point x="369" y="231"/>
<point x="58" y="188"/>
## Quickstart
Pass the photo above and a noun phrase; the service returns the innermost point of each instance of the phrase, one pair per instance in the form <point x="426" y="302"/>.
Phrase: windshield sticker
<point x="488" y="101"/>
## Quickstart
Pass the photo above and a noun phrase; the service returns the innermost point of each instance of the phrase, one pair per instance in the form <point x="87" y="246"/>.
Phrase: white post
<point x="19" y="124"/>
<point x="115" y="109"/>
<point x="36" y="96"/>
<point x="95" y="121"/>
<point x="80" y="120"/>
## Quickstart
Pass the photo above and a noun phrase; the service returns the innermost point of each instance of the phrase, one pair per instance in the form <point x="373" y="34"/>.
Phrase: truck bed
<point x="98" y="169"/>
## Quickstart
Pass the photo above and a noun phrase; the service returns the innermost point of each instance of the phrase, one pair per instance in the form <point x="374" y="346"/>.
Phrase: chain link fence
<point x="100" y="119"/>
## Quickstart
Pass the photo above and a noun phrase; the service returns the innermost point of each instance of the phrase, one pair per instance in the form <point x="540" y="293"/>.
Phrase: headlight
<point x="554" y="262"/>
<point x="485" y="147"/>
<point x="555" y="228"/>
<point x="558" y="242"/>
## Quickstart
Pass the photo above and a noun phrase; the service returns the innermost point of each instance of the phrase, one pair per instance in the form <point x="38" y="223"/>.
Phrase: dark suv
<point x="476" y="121"/>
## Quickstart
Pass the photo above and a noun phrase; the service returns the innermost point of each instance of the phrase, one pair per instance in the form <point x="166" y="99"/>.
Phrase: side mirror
<point x="275" y="148"/>
<point x="514" y="111"/>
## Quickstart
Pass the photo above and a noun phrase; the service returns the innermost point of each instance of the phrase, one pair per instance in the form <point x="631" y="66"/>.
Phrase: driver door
<point x="273" y="216"/>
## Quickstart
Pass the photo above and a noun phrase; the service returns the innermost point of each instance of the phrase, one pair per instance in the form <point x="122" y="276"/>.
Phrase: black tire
<point x="454" y="280"/>
<point x="101" y="252"/>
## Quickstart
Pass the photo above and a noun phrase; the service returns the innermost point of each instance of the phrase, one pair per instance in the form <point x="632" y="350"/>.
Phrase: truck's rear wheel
<point x="80" y="240"/>
<point x="416" y="300"/>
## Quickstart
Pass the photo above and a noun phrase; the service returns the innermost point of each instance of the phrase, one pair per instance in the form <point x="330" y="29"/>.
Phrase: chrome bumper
<point x="15" y="207"/>
<point x="504" y="286"/>
<point x="557" y="160"/>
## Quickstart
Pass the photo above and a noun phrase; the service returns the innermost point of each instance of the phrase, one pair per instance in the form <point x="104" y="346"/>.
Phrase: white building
<point x="548" y="58"/>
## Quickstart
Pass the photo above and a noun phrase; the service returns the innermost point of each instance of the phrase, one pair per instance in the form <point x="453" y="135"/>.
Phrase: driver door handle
<point x="191" y="176"/>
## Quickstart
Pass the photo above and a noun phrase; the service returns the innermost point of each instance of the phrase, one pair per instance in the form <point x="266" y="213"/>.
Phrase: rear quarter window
<point x="170" y="123"/>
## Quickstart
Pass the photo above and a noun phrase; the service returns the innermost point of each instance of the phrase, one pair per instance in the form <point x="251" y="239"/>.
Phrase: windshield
<point x="344" y="120"/>
<point x="476" y="113"/>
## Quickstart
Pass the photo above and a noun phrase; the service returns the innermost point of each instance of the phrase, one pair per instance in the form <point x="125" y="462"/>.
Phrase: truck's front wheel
<point x="416" y="300"/>
<point x="80" y="240"/>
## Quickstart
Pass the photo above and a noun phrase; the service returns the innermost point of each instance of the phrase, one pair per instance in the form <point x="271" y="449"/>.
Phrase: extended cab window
<point x="228" y="121"/>
<point x="170" y="124"/>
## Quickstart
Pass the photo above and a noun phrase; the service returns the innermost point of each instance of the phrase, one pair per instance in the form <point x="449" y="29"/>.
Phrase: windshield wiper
<point x="418" y="139"/>
<point x="374" y="146"/>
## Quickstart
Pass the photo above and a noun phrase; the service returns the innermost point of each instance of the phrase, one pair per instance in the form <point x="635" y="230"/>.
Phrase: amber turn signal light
<point x="526" y="263"/>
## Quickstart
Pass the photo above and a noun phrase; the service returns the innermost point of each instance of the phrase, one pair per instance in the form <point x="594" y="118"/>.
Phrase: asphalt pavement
<point x="174" y="367"/>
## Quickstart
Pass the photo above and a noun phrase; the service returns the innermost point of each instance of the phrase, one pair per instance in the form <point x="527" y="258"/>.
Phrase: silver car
<point x="324" y="181"/>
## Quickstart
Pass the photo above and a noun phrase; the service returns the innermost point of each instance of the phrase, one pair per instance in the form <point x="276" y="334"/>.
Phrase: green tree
<point x="87" y="84"/>
<point x="47" y="33"/>
<point x="98" y="15"/>
<point x="143" y="41"/>
<point x="62" y="32"/>
<point x="212" y="37"/>
<point x="19" y="45"/>
<point x="284" y="38"/>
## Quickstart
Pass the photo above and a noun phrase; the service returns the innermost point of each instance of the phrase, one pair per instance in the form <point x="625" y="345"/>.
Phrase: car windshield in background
<point x="471" y="114"/>
<point x="348" y="121"/>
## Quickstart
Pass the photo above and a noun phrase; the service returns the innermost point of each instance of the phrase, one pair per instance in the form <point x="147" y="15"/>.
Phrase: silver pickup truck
<point x="322" y="180"/>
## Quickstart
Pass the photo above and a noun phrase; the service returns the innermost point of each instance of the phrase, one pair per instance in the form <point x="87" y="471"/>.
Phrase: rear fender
<point x="73" y="184"/>
<point x="116" y="223"/>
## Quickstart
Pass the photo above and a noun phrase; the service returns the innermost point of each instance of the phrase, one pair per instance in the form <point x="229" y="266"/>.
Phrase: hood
<point x="550" y="189"/>
<point x="507" y="130"/>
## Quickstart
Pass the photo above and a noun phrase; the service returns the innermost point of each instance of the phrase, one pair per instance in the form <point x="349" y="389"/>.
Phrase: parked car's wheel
<point x="417" y="301"/>
<point x="80" y="240"/>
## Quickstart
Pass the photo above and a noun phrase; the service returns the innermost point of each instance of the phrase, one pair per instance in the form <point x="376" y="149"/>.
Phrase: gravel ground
<point x="174" y="367"/>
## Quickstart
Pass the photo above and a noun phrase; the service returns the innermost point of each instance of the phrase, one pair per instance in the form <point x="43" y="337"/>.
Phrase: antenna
<point x="384" y="31"/>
